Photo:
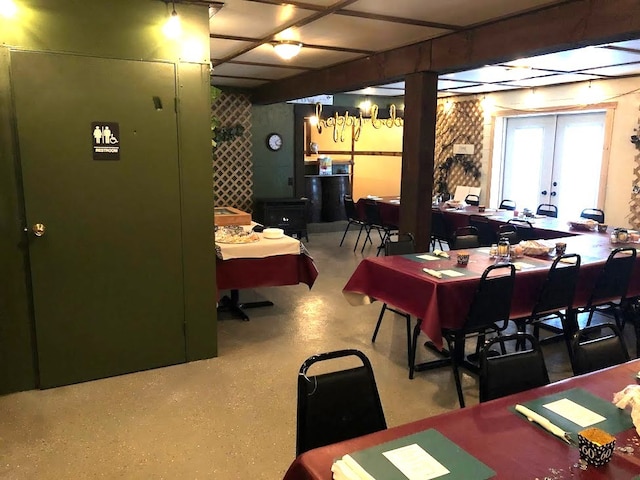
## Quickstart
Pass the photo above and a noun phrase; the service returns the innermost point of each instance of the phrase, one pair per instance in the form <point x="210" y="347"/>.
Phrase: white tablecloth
<point x="264" y="247"/>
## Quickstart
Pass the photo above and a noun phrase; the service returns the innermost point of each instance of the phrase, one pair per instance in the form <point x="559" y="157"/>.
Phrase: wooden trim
<point x="606" y="155"/>
<point x="557" y="109"/>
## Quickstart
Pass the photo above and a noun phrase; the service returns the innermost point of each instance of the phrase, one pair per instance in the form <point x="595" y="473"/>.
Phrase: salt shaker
<point x="493" y="251"/>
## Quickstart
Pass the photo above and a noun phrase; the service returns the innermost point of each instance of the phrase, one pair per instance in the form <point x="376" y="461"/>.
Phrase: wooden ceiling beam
<point x="568" y="25"/>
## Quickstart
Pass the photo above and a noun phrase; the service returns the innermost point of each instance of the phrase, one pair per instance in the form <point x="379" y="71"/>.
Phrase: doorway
<point x="106" y="273"/>
<point x="554" y="159"/>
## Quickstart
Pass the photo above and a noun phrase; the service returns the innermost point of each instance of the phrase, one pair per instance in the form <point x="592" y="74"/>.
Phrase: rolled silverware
<point x="544" y="423"/>
<point x="433" y="273"/>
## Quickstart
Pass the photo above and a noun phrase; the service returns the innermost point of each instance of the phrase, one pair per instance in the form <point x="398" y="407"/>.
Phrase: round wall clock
<point x="274" y="142"/>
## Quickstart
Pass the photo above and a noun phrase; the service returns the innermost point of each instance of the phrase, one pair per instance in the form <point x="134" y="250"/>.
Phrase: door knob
<point x="38" y="229"/>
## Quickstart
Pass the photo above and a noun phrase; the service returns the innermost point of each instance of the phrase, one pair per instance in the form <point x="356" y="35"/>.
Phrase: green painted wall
<point x="120" y="29"/>
<point x="272" y="170"/>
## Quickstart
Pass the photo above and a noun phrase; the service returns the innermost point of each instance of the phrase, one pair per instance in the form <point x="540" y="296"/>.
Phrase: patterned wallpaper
<point x="458" y="122"/>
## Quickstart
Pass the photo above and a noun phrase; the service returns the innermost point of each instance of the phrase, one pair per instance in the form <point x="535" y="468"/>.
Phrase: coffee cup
<point x="561" y="248"/>
<point x="481" y="208"/>
<point x="602" y="227"/>
<point x="463" y="258"/>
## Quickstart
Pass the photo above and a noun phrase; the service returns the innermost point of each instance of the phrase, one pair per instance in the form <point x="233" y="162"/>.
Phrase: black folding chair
<point x="472" y="199"/>
<point x="464" y="237"/>
<point x="609" y="293"/>
<point x="547" y="210"/>
<point x="405" y="245"/>
<point x="339" y="405"/>
<point x="502" y="375"/>
<point x="489" y="312"/>
<point x="507" y="205"/>
<point x="523" y="227"/>
<point x="510" y="232"/>
<point x="593" y="349"/>
<point x="440" y="231"/>
<point x="486" y="234"/>
<point x="374" y="221"/>
<point x="593" y="214"/>
<point x="353" y="217"/>
<point x="555" y="300"/>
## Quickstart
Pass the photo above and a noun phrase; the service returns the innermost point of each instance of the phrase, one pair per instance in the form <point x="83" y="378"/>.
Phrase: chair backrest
<point x="465" y="237"/>
<point x="491" y="303"/>
<point x="472" y="199"/>
<point x="547" y="210"/>
<point x="559" y="287"/>
<point x="613" y="280"/>
<point x="404" y="246"/>
<point x="350" y="208"/>
<point x="605" y="350"/>
<point x="593" y="214"/>
<point x="372" y="212"/>
<point x="508" y="204"/>
<point x="439" y="227"/>
<point x="523" y="227"/>
<point x="486" y="235"/>
<point x="502" y="375"/>
<point x="337" y="406"/>
<point x="510" y="232"/>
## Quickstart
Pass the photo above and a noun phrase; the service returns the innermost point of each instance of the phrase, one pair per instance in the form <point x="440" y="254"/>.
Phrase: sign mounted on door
<point x="106" y="140"/>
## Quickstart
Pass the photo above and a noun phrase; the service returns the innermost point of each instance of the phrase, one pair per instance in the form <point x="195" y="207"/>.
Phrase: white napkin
<point x="630" y="396"/>
<point x="433" y="273"/>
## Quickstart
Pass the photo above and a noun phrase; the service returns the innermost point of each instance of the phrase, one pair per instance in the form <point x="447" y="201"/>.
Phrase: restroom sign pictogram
<point x="106" y="140"/>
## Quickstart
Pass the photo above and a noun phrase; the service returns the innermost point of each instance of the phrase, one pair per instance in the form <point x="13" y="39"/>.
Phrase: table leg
<point x="232" y="304"/>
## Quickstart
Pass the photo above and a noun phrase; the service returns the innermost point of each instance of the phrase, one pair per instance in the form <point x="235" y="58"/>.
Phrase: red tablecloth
<point x="241" y="273"/>
<point x="503" y="440"/>
<point x="444" y="303"/>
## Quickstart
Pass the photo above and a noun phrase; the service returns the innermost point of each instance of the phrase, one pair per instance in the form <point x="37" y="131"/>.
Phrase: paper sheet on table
<point x="523" y="265"/>
<point x="451" y="273"/>
<point x="427" y="257"/>
<point x="415" y="463"/>
<point x="463" y="190"/>
<point x="574" y="412"/>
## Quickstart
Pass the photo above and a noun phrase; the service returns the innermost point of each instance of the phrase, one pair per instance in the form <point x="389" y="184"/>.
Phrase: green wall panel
<point x="120" y="29"/>
<point x="271" y="170"/>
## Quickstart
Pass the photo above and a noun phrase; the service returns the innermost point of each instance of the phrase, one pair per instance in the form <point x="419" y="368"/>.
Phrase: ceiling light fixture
<point x="173" y="29"/>
<point x="8" y="8"/>
<point x="287" y="49"/>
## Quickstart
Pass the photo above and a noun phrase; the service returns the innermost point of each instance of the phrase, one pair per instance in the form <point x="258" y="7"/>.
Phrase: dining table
<point x="264" y="262"/>
<point x="443" y="301"/>
<point x="505" y="442"/>
<point x="457" y="215"/>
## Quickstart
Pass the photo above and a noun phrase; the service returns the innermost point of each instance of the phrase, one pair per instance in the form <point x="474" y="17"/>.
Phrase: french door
<point x="554" y="159"/>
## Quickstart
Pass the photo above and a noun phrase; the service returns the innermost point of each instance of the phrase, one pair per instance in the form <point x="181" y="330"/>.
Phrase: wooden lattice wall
<point x="458" y="122"/>
<point x="232" y="161"/>
<point x="634" y="203"/>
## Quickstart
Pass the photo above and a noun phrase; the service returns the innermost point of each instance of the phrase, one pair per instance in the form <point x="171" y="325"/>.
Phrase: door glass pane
<point x="577" y="163"/>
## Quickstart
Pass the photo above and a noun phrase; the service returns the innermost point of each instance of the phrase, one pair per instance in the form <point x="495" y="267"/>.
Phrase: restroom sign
<point x="106" y="140"/>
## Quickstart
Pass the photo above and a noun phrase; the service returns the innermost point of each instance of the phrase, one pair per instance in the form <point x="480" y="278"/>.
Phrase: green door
<point x="107" y="273"/>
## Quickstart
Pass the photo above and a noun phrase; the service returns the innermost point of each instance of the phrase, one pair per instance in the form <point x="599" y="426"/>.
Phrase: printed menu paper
<point x="415" y="463"/>
<point x="427" y="257"/>
<point x="451" y="273"/>
<point x="574" y="412"/>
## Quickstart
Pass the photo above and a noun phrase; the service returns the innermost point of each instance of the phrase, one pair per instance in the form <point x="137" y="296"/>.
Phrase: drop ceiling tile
<point x="494" y="74"/>
<point x="378" y="91"/>
<point x="616" y="71"/>
<point x="452" y="12"/>
<point x="631" y="44"/>
<point x="222" y="48"/>
<point x="552" y="80"/>
<point x="444" y="84"/>
<point x="483" y="88"/>
<point x="235" y="82"/>
<point x="364" y="34"/>
<point x="252" y="19"/>
<point x="579" y="59"/>
<point x="254" y="71"/>
<point x="393" y="85"/>
<point x="307" y="58"/>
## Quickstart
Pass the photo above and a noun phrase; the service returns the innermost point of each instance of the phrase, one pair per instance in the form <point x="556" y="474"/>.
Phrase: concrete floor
<point x="231" y="417"/>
